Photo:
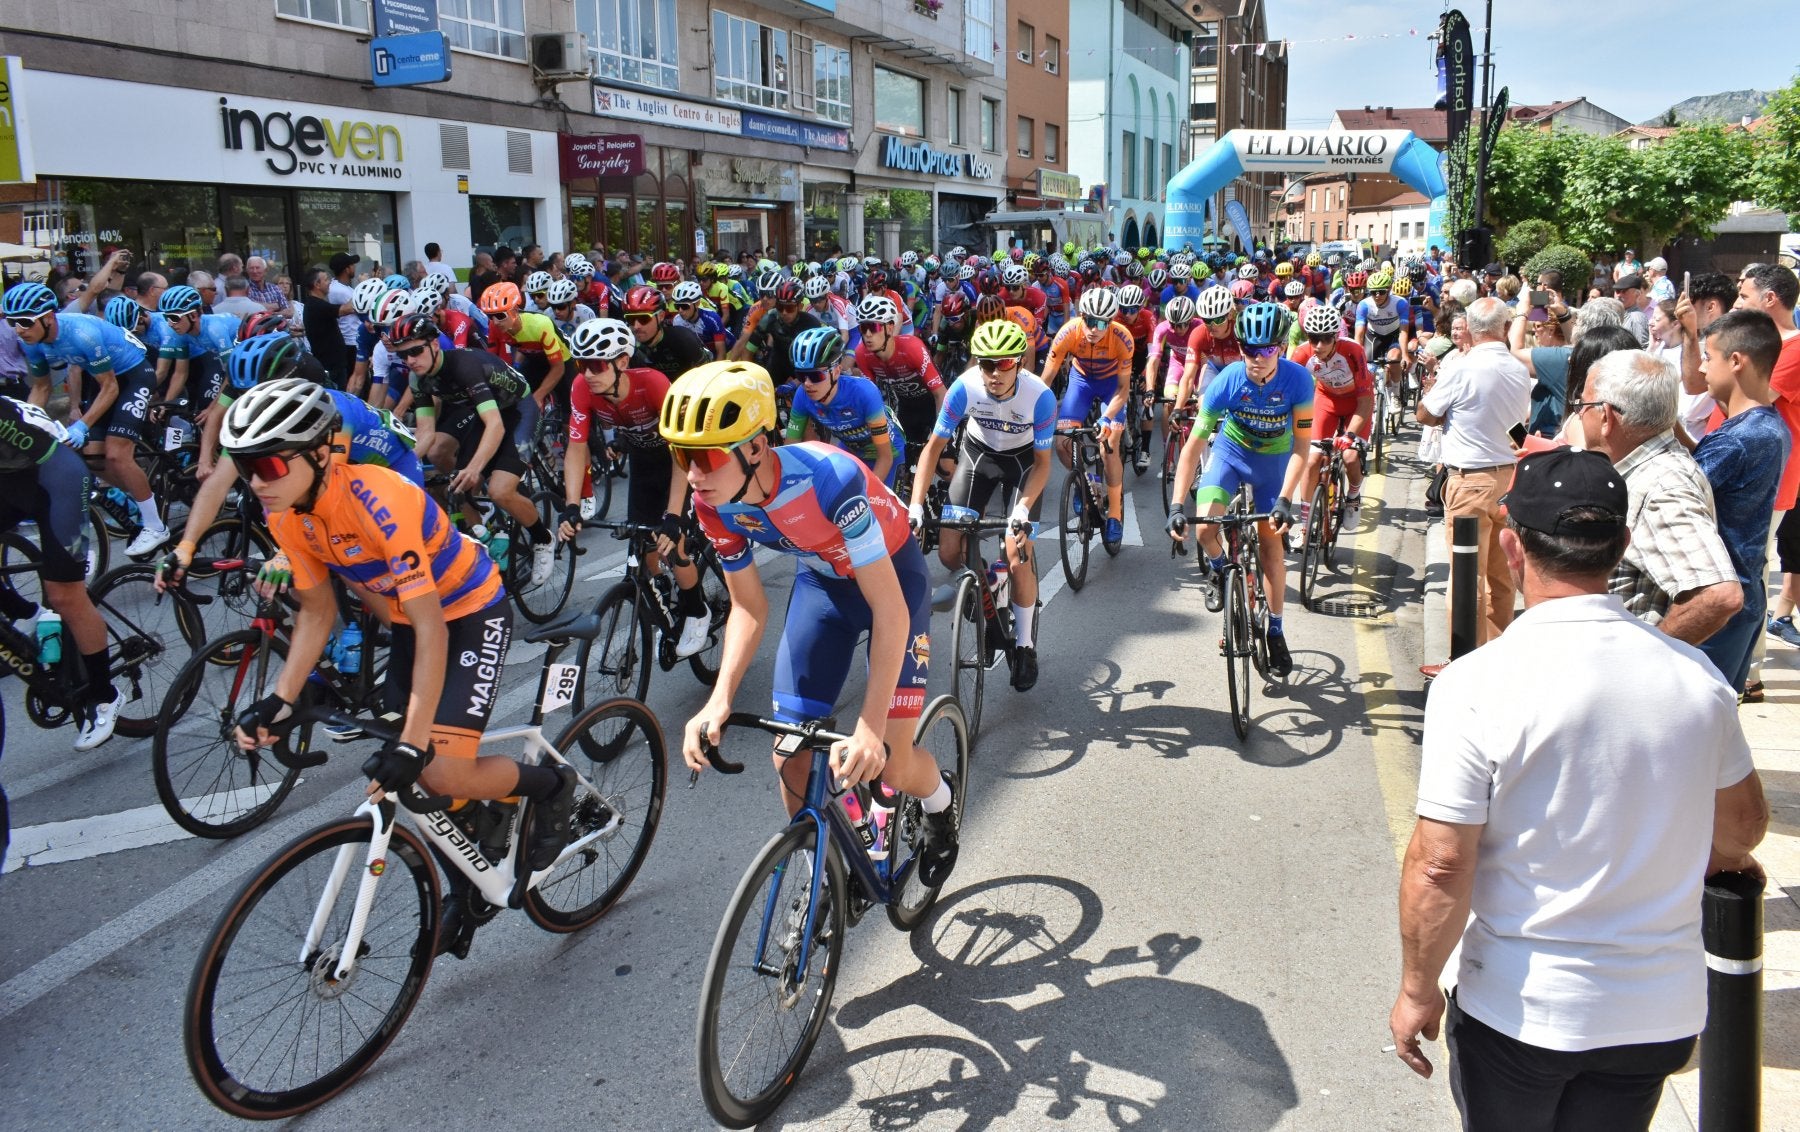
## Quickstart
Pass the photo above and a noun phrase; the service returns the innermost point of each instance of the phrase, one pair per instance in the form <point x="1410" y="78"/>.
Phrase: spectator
<point x="320" y="316"/>
<point x="1546" y="359"/>
<point x="343" y="270"/>
<point x="533" y="258"/>
<point x="1590" y="347"/>
<point x="237" y="298"/>
<point x="1507" y="291"/>
<point x="286" y="286"/>
<point x="150" y="287"/>
<point x="1742" y="459"/>
<point x="202" y="282"/>
<point x="1599" y="291"/>
<point x="263" y="289"/>
<point x="1709" y="295"/>
<point x="1656" y="275"/>
<point x="15" y="376"/>
<point x="1478" y="399"/>
<point x="72" y="292"/>
<point x="1564" y="847"/>
<point x="414" y="271"/>
<point x="506" y="263"/>
<point x="435" y="265"/>
<point x="1627" y="265"/>
<point x="484" y="275"/>
<point x="1596" y="313"/>
<point x="1630" y="292"/>
<point x="1773" y="289"/>
<point x="1676" y="573"/>
<point x="230" y="264"/>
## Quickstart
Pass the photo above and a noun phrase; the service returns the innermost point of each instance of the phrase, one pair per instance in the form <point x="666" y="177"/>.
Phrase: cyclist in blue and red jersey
<point x="860" y="570"/>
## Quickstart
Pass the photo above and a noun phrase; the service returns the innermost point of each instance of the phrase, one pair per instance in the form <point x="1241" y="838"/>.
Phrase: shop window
<point x="615" y="216"/>
<point x="899" y="103"/>
<point x="168" y="228"/>
<point x="1168" y="164"/>
<point x="357" y="222"/>
<point x="352" y="14"/>
<point x="491" y="27"/>
<point x="633" y="41"/>
<point x="676" y="226"/>
<point x="990" y="125"/>
<point x="823" y="230"/>
<point x="1052" y="142"/>
<point x="750" y="62"/>
<point x="494" y="221"/>
<point x="583" y="211"/>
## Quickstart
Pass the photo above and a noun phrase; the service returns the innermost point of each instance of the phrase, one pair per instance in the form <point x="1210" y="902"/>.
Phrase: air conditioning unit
<point x="560" y="55"/>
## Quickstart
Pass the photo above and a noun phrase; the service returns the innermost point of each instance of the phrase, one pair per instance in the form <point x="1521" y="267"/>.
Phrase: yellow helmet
<point x="1314" y="259"/>
<point x="1001" y="338"/>
<point x="1283" y="270"/>
<point x="718" y="405"/>
<point x="1402" y="286"/>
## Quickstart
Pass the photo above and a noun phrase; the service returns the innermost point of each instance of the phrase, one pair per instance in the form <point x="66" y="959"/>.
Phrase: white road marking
<point x="55" y="843"/>
<point x="1133" y="536"/>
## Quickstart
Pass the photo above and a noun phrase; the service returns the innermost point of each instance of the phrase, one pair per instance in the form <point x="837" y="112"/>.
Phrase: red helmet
<point x="644" y="300"/>
<point x="988" y="283"/>
<point x="665" y="273"/>
<point x="413" y="328"/>
<point x="262" y="322"/>
<point x="1017" y="255"/>
<point x="954" y="305"/>
<point x="1356" y="280"/>
<point x="787" y="291"/>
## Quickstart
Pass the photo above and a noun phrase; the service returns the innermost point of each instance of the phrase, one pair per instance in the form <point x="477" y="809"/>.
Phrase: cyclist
<point x="691" y="315"/>
<point x="466" y="403"/>
<point x="1099" y="350"/>
<point x="669" y="349"/>
<point x="1346" y="402"/>
<point x="1171" y="341"/>
<point x="528" y="343"/>
<point x="1135" y="317"/>
<point x="567" y="310"/>
<point x="878" y="286"/>
<point x="1051" y="276"/>
<point x="1008" y="417"/>
<point x="628" y="400"/>
<point x="770" y="340"/>
<point x="832" y="312"/>
<point x="841" y="408"/>
<point x="861" y="570"/>
<point x="1212" y="345"/>
<point x="1261" y="404"/>
<point x="437" y="590"/>
<point x="900" y="367"/>
<point x="113" y="396"/>
<point x="1384" y="326"/>
<point x="44" y="481"/>
<point x="386" y="376"/>
<point x="950" y="329"/>
<point x="1180" y="285"/>
<point x="193" y="352"/>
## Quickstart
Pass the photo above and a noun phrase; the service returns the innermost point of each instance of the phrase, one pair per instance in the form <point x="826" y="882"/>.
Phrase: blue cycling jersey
<point x="88" y="343"/>
<point x="376" y="437"/>
<point x="1171" y="291"/>
<point x="156" y="333"/>
<point x="1385" y="320"/>
<point x="216" y="334"/>
<point x="1259" y="418"/>
<point x="852" y="420"/>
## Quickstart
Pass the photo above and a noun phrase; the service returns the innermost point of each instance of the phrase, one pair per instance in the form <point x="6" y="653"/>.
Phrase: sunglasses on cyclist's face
<point x="413" y="350"/>
<point x="787" y="308"/>
<point x="1218" y="321"/>
<point x="1129" y="310"/>
<point x="869" y="328"/>
<point x="813" y="376"/>
<point x="1322" y="339"/>
<point x="502" y="317"/>
<point x="640" y="319"/>
<point x="997" y="365"/>
<point x="685" y="308"/>
<point x="1378" y="294"/>
<point x="23" y="321"/>
<point x="708" y="460"/>
<point x="266" y="468"/>
<point x="1261" y="353"/>
<point x="1094" y="322"/>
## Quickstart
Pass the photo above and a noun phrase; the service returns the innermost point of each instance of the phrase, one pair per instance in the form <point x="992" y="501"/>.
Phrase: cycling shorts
<point x="1172" y="383"/>
<point x="1081" y="395"/>
<point x="1231" y="465"/>
<point x="130" y="414"/>
<point x="53" y="495"/>
<point x="1380" y="344"/>
<point x="825" y="616"/>
<point x="917" y="417"/>
<point x="981" y="470"/>
<point x="475" y="665"/>
<point x="1333" y="413"/>
<point x="464" y="423"/>
<point x="647" y="491"/>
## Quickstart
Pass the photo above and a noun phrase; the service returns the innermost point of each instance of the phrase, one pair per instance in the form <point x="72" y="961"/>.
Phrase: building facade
<point x="1238" y="81"/>
<point x="1037" y="94"/>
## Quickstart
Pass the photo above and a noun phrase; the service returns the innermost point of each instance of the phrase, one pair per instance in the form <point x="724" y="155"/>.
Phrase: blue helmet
<point x="263" y="358"/>
<point x="816" y="348"/>
<point x="1260" y="324"/>
<point x="30" y="299"/>
<point x="123" y="312"/>
<point x="180" y="300"/>
<point x="398" y="283"/>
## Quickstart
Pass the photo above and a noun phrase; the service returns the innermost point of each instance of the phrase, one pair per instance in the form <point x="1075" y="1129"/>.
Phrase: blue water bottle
<point x="49" y="638"/>
<point x="349" y="660"/>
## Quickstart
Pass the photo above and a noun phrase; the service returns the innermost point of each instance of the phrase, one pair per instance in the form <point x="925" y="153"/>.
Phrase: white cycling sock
<point x="1023" y="616"/>
<point x="939" y="801"/>
<point x="150" y="513"/>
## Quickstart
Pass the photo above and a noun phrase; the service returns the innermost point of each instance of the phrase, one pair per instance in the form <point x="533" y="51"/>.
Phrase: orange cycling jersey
<point x="1028" y="322"/>
<point x="536" y="335"/>
<point x="378" y="529"/>
<point x="1105" y="360"/>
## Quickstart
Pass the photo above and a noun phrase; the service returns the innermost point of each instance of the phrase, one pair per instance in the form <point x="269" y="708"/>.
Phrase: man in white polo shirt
<point x="1479" y="398"/>
<point x="1564" y="831"/>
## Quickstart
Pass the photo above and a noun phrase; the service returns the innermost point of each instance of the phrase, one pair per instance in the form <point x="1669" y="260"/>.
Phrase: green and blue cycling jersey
<point x="88" y="343"/>
<point x="1257" y="437"/>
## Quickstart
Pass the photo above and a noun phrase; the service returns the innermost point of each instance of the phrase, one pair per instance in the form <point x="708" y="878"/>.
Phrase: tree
<point x="1524" y="240"/>
<point x="1572" y="263"/>
<point x="1775" y="171"/>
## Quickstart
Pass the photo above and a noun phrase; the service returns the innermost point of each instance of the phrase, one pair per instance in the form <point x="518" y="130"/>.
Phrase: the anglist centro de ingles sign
<point x="346" y="148"/>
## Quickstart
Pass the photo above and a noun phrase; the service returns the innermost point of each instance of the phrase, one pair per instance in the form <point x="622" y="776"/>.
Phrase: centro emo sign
<point x="314" y="145"/>
<point x="919" y="157"/>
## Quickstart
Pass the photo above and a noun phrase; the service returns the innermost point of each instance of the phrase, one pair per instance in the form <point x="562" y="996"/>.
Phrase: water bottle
<point x="881" y="812"/>
<point x="860" y="818"/>
<point x="499" y="547"/>
<point x="349" y="658"/>
<point x="49" y="638"/>
<point x="479" y="533"/>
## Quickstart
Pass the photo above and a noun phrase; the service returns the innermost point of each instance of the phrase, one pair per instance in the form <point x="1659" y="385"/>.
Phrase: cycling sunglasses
<point x="871" y="327"/>
<point x="412" y="351"/>
<point x="708" y="460"/>
<point x="1260" y="352"/>
<point x="1321" y="339"/>
<point x="787" y="308"/>
<point x="812" y="376"/>
<point x="265" y="468"/>
<point x="640" y="318"/>
<point x="22" y="321"/>
<point x="997" y="365"/>
<point x="1218" y="321"/>
<point x="1378" y="294"/>
<point x="685" y="308"/>
<point x="1094" y="322"/>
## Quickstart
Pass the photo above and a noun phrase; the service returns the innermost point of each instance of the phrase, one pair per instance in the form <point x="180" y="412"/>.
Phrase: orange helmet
<point x="501" y="298"/>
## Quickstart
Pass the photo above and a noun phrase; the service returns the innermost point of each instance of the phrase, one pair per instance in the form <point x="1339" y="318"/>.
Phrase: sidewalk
<point x="1773" y="728"/>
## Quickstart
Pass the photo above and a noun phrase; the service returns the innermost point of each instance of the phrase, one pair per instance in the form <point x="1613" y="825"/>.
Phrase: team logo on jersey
<point x="920" y="650"/>
<point x="751" y="524"/>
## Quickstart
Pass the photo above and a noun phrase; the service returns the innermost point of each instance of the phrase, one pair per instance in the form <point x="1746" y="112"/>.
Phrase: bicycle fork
<point x="374" y="864"/>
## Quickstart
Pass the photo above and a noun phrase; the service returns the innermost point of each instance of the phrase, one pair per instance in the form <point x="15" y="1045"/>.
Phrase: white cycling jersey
<point x="1023" y="421"/>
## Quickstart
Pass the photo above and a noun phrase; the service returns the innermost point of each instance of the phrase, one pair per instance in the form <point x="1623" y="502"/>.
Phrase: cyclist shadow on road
<point x="1115" y="1041"/>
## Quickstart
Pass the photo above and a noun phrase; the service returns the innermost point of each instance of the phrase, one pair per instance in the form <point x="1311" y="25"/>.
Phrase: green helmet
<point x="999" y="338"/>
<point x="1143" y="253"/>
<point x="1068" y="247"/>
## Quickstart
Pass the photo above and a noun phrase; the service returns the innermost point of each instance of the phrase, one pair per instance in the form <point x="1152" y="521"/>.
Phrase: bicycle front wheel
<point x="1236" y="647"/>
<point x="1312" y="550"/>
<point x="968" y="647"/>
<point x="1074" y="529"/>
<point x="628" y="770"/>
<point x="541" y="603"/>
<point x="152" y="635"/>
<point x="761" y="1006"/>
<point x="1171" y="460"/>
<point x="269" y="1029"/>
<point x="944" y="733"/>
<point x="206" y="783"/>
<point x="617" y="661"/>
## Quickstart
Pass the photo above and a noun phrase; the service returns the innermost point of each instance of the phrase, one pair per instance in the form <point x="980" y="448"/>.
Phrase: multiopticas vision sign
<point x="1293" y="149"/>
<point x="307" y="144"/>
<point x="919" y="157"/>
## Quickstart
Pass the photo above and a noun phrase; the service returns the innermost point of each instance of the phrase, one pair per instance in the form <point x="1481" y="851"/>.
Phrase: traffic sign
<point x="409" y="60"/>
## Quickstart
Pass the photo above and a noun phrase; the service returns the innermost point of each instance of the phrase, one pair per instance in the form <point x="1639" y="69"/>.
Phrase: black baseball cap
<point x="1548" y="485"/>
<point x="1631" y="282"/>
<point x="1493" y="269"/>
<point x="342" y="260"/>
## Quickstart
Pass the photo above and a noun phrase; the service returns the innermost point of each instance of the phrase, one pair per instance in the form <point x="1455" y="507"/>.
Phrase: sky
<point x="1635" y="59"/>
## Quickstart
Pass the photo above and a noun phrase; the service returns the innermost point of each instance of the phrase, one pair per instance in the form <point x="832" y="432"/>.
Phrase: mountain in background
<point x="1726" y="106"/>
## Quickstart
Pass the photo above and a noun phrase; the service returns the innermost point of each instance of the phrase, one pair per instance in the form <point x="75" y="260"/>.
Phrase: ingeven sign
<point x="307" y="144"/>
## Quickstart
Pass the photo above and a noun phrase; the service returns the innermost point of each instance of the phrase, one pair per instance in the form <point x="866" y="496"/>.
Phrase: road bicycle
<point x="1380" y="425"/>
<point x="639" y="621"/>
<point x="1083" y="508"/>
<point x="981" y="629"/>
<point x="775" y="960"/>
<point x="209" y="785"/>
<point x="1181" y="426"/>
<point x="1329" y="513"/>
<point x="227" y="554"/>
<point x="316" y="962"/>
<point x="550" y="443"/>
<point x="496" y="528"/>
<point x="1244" y="633"/>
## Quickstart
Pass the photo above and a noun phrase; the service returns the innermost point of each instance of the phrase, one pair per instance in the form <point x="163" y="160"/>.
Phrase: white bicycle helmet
<point x="815" y="288"/>
<point x="1131" y="295"/>
<point x="394" y="306"/>
<point x="909" y="259"/>
<point x="290" y="415"/>
<point x="427" y="302"/>
<point x="1179" y="310"/>
<point x="1014" y="275"/>
<point x="966" y="271"/>
<point x="1214" y="303"/>
<point x="1248" y="271"/>
<point x="366" y="295"/>
<point x="435" y="284"/>
<point x="537" y="283"/>
<point x="688" y="291"/>
<point x="1181" y="270"/>
<point x="1101" y="302"/>
<point x="766" y="281"/>
<point x="602" y="339"/>
<point x="1058" y="265"/>
<point x="878" y="308"/>
<point x="562" y="291"/>
<point x="1294" y="289"/>
<point x="958" y="251"/>
<point x="577" y="266"/>
<point x="1322" y="319"/>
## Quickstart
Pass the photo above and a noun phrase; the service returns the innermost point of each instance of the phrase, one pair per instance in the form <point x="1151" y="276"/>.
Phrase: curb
<point x="1434" y="634"/>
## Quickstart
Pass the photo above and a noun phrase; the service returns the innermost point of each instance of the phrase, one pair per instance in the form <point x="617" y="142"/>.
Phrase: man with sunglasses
<point x="950" y="328"/>
<point x="530" y="344"/>
<point x="113" y="394"/>
<point x="898" y="363"/>
<point x="1384" y="326"/>
<point x="627" y="400"/>
<point x="435" y="588"/>
<point x="692" y="312"/>
<point x="567" y="310"/>
<point x="669" y="349"/>
<point x="1212" y="344"/>
<point x="1099" y="351"/>
<point x="842" y="409"/>
<point x="1008" y="418"/>
<point x="466" y="403"/>
<point x="191" y="360"/>
<point x="859" y="570"/>
<point x="1260" y="405"/>
<point x="1170" y="341"/>
<point x="1346" y="403"/>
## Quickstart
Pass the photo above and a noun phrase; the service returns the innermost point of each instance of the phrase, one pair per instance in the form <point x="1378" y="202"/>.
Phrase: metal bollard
<point x="1465" y="591"/>
<point x="1731" y="1045"/>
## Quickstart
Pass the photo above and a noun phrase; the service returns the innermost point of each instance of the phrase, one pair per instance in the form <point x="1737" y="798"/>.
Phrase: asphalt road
<point x="1152" y="924"/>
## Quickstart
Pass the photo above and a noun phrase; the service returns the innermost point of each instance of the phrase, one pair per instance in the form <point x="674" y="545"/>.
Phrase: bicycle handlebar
<point x="812" y="734"/>
<point x="413" y="799"/>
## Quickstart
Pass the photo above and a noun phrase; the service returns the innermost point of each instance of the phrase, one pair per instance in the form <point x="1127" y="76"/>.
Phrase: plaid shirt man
<point x="268" y="293"/>
<point x="1675" y="544"/>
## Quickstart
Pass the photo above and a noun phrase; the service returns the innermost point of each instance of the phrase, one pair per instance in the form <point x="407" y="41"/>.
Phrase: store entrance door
<point x="260" y="224"/>
<point x="740" y="230"/>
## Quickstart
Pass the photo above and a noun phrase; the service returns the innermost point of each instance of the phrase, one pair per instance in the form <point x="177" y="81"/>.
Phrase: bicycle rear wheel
<point x="945" y="733"/>
<point x="1236" y="646"/>
<point x="760" y="1009"/>
<point x="628" y="770"/>
<point x="205" y="782"/>
<point x="152" y="636"/>
<point x="968" y="649"/>
<point x="1333" y="515"/>
<point x="1074" y="528"/>
<point x="1312" y="554"/>
<point x="270" y="1032"/>
<point x="617" y="661"/>
<point x="1170" y="461"/>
